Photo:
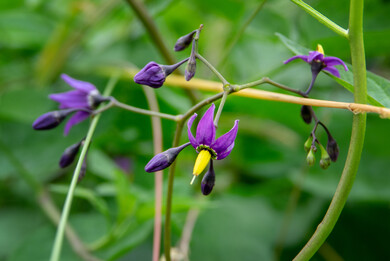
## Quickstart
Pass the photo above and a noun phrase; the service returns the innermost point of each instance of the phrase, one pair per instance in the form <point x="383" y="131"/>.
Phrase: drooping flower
<point x="154" y="74"/>
<point x="319" y="62"/>
<point x="205" y="143"/>
<point x="83" y="99"/>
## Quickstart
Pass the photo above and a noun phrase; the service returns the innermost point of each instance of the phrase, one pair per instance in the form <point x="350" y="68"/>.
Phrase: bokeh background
<point x="266" y="203"/>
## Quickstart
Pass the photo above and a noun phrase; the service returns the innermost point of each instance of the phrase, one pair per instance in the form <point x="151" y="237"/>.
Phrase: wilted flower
<point x="154" y="74"/>
<point x="319" y="62"/>
<point x="184" y="41"/>
<point x="306" y="114"/>
<point x="164" y="159"/>
<point x="82" y="100"/>
<point x="205" y="143"/>
<point x="332" y="148"/>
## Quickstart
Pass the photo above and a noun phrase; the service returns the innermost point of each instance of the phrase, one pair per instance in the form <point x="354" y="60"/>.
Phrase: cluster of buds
<point x="82" y="101"/>
<point x="154" y="74"/>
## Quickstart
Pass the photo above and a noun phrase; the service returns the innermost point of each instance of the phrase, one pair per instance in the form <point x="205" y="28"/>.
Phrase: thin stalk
<point x="357" y="136"/>
<point x="56" y="250"/>
<point x="218" y="115"/>
<point x="114" y="103"/>
<point x="168" y="210"/>
<point x="158" y="178"/>
<point x="322" y="18"/>
<point x="213" y="69"/>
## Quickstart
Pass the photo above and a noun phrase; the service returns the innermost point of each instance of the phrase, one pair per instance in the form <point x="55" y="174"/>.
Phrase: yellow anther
<point x="201" y="162"/>
<point x="320" y="49"/>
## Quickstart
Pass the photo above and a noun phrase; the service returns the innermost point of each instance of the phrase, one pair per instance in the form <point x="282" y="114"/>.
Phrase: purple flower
<point x="83" y="99"/>
<point x="154" y="74"/>
<point x="205" y="143"/>
<point x="319" y="62"/>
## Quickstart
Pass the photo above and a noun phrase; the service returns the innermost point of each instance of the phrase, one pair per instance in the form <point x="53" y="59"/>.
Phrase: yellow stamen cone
<point x="201" y="162"/>
<point x="320" y="49"/>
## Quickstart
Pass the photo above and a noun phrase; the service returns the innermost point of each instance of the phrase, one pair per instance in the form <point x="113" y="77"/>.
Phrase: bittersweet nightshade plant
<point x="205" y="143"/>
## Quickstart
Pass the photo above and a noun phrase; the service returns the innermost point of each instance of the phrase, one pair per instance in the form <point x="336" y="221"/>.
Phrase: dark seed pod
<point x="184" y="41"/>
<point x="208" y="180"/>
<point x="306" y="114"/>
<point x="164" y="159"/>
<point x="332" y="148"/>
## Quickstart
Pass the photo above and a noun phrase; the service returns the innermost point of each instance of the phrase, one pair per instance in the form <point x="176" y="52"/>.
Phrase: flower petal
<point x="224" y="142"/>
<point x="190" y="136"/>
<point x="77" y="84"/>
<point x="314" y="55"/>
<point x="303" y="57"/>
<point x="205" y="132"/>
<point x="332" y="61"/>
<point x="71" y="99"/>
<point x="226" y="152"/>
<point x="332" y="70"/>
<point x="75" y="119"/>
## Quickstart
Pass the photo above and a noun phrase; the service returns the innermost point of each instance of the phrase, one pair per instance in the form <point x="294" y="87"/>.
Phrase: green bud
<point x="308" y="143"/>
<point x="325" y="158"/>
<point x="310" y="159"/>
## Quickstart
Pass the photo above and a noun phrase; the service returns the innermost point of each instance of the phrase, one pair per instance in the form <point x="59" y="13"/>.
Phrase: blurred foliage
<point x="243" y="218"/>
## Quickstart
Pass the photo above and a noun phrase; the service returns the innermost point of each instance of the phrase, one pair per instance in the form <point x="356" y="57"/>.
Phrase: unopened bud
<point x="306" y="114"/>
<point x="184" y="41"/>
<point x="191" y="68"/>
<point x="332" y="148"/>
<point x="51" y="119"/>
<point x="69" y="154"/>
<point x="208" y="180"/>
<point x="164" y="159"/>
<point x="310" y="159"/>
<point x="325" y="159"/>
<point x="83" y="169"/>
<point x="308" y="143"/>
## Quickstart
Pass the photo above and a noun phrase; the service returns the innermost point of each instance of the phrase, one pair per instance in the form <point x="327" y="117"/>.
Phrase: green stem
<point x="223" y="100"/>
<point x="357" y="136"/>
<point x="321" y="18"/>
<point x="168" y="210"/>
<point x="212" y="68"/>
<point x="56" y="250"/>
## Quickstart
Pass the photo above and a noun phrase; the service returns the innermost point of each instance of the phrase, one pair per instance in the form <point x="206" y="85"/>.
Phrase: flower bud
<point x="51" y="119"/>
<point x="191" y="68"/>
<point x="69" y="154"/>
<point x="332" y="148"/>
<point x="325" y="159"/>
<point x="184" y="41"/>
<point x="83" y="169"/>
<point x="306" y="114"/>
<point x="208" y="180"/>
<point x="164" y="159"/>
<point x="310" y="159"/>
<point x="308" y="143"/>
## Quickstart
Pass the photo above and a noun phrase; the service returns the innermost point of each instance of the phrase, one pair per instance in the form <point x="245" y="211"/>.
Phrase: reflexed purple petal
<point x="303" y="57"/>
<point x="314" y="55"/>
<point x="332" y="70"/>
<point x="225" y="141"/>
<point x="205" y="132"/>
<point x="76" y="118"/>
<point x="190" y="136"/>
<point x="332" y="61"/>
<point x="71" y="99"/>
<point x="226" y="152"/>
<point x="77" y="84"/>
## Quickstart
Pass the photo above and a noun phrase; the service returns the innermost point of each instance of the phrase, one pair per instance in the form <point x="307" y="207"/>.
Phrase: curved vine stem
<point x="357" y="136"/>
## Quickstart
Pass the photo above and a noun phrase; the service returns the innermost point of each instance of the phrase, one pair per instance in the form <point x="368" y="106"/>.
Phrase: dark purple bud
<point x="164" y="159"/>
<point x="83" y="169"/>
<point x="208" y="180"/>
<point x="51" y="119"/>
<point x="332" y="148"/>
<point x="69" y="154"/>
<point x="152" y="75"/>
<point x="306" y="114"/>
<point x="191" y="68"/>
<point x="184" y="41"/>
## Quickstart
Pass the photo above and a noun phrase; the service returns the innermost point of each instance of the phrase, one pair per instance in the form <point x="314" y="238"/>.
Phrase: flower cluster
<point x="81" y="101"/>
<point x="205" y="144"/>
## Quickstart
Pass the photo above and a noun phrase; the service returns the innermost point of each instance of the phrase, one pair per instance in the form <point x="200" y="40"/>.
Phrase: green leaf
<point x="378" y="88"/>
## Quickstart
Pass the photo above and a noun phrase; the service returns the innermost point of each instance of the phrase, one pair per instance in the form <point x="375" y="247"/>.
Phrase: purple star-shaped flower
<point x="205" y="143"/>
<point x="319" y="62"/>
<point x="84" y="98"/>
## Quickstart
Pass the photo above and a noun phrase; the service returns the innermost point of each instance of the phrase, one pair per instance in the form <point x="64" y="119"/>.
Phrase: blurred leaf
<point x="101" y="165"/>
<point x="378" y="88"/>
<point x="125" y="199"/>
